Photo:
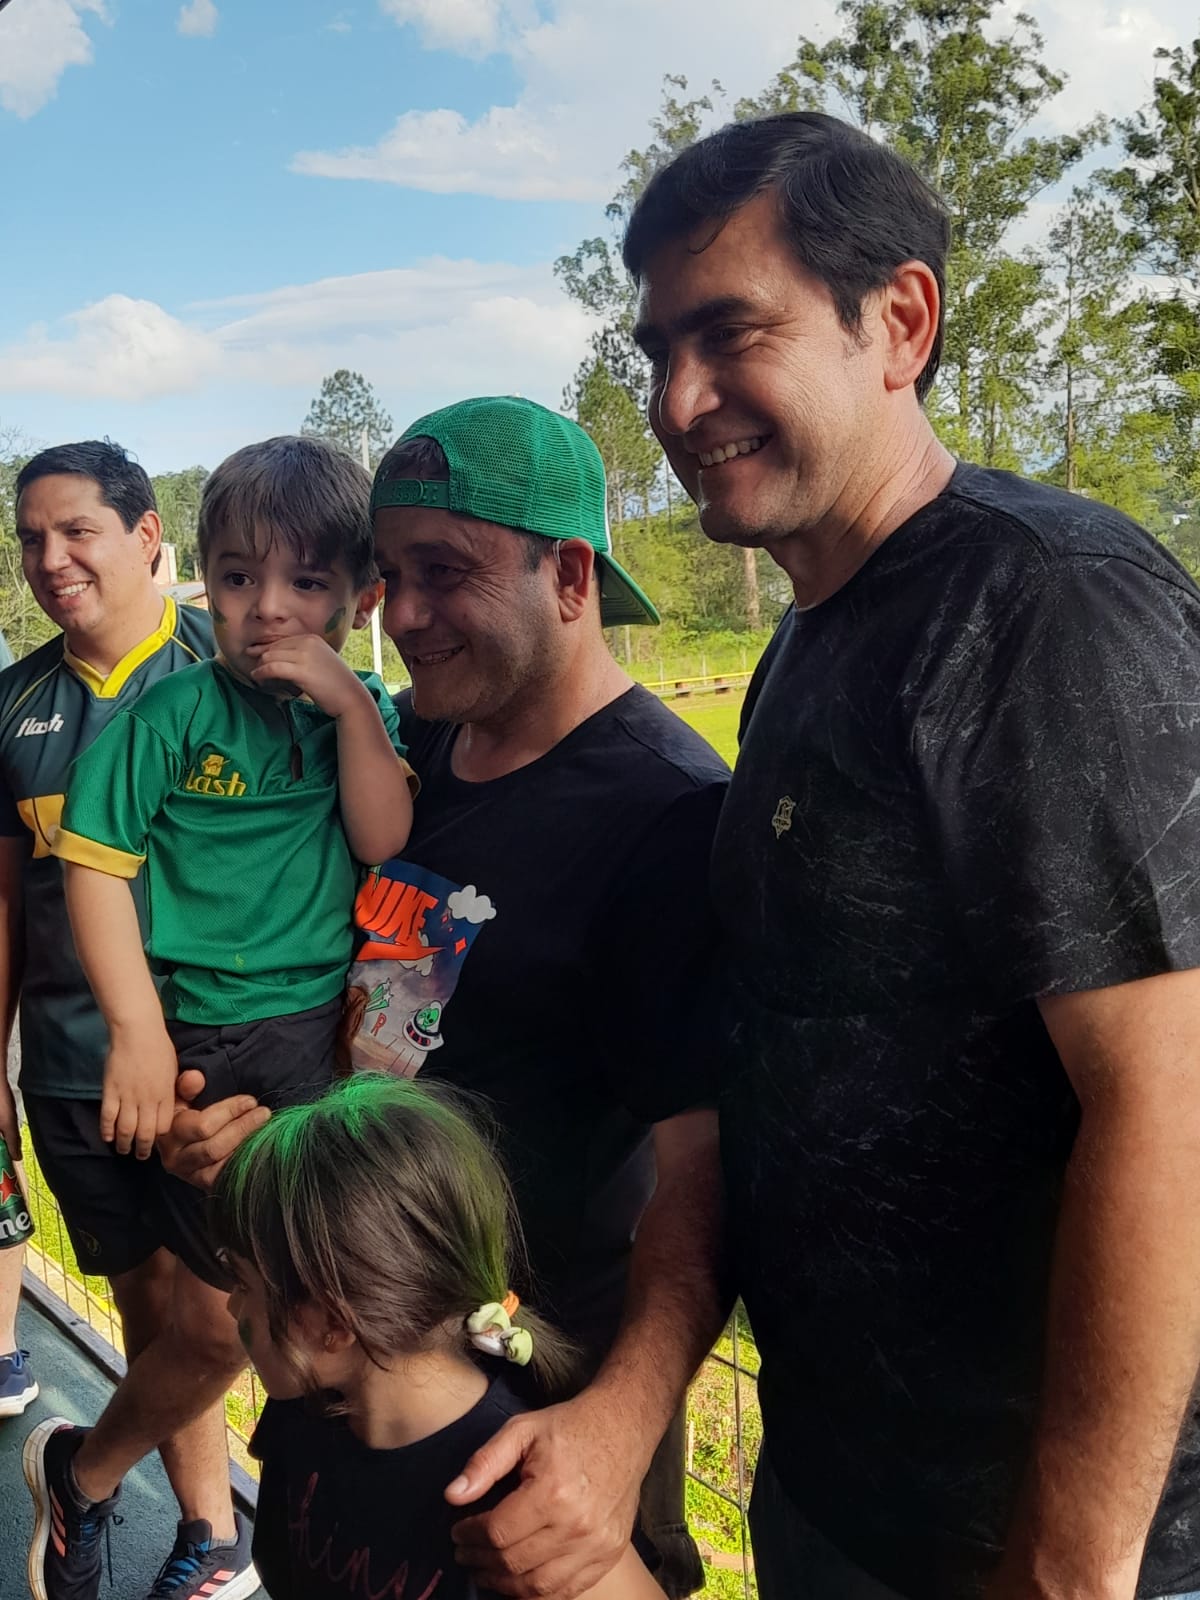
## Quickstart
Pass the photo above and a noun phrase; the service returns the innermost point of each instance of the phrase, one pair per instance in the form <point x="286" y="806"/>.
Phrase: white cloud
<point x="586" y="93"/>
<point x="586" y="96"/>
<point x="509" y="152"/>
<point x="39" y="40"/>
<point x="469" y="26"/>
<point x="422" y="334"/>
<point x="198" y="19"/>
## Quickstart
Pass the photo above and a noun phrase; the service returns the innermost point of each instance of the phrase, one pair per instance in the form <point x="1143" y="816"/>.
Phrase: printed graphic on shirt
<point x="42" y="815"/>
<point x="349" y="1569"/>
<point x="417" y="929"/>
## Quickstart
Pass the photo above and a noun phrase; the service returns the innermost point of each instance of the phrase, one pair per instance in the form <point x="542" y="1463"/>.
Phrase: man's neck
<point x="103" y="648"/>
<point x="820" y="562"/>
<point x="534" y="723"/>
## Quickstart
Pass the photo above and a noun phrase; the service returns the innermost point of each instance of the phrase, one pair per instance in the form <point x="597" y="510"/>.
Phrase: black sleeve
<point x="1060" y="758"/>
<point x="651" y="949"/>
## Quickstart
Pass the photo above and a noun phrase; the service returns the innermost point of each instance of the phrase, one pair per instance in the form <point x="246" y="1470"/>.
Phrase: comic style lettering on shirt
<point x="416" y="931"/>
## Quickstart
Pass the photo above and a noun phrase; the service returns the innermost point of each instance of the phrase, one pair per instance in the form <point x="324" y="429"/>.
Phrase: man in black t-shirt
<point x="540" y="944"/>
<point x="958" y="874"/>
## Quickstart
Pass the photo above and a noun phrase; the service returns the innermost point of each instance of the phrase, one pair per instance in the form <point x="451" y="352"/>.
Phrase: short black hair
<point x="302" y="491"/>
<point x="124" y="483"/>
<point x="423" y="459"/>
<point x="851" y="209"/>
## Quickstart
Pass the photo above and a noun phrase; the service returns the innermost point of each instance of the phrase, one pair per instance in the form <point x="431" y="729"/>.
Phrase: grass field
<point x="714" y="717"/>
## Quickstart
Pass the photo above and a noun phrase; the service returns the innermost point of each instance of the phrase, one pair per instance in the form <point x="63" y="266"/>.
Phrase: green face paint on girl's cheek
<point x="218" y="619"/>
<point x="336" y="620"/>
<point x="245" y="1333"/>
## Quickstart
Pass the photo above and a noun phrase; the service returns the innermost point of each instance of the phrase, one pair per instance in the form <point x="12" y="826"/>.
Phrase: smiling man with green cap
<point x="539" y="944"/>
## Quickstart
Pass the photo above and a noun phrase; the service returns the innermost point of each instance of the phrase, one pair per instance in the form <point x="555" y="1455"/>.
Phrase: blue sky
<point x="211" y="203"/>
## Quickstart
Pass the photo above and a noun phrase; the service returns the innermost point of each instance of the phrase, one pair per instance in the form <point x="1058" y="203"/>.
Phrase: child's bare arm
<point x="140" y="1069"/>
<point x="628" y="1580"/>
<point x="373" y="780"/>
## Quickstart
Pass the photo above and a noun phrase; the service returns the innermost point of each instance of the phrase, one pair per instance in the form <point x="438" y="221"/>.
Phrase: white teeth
<point x="726" y="452"/>
<point x="73" y="589"/>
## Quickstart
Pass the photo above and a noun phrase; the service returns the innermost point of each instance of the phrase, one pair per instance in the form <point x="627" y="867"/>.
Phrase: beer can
<point x="16" y="1225"/>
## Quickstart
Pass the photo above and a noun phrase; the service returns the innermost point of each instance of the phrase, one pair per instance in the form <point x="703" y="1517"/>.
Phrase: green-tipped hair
<point x="383" y="1204"/>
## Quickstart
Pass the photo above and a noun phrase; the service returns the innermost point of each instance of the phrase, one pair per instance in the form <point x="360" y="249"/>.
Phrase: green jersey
<point x="52" y="706"/>
<point x="230" y="799"/>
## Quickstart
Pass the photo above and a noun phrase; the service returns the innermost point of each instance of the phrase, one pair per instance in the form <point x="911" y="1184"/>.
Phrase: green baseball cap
<point x="518" y="464"/>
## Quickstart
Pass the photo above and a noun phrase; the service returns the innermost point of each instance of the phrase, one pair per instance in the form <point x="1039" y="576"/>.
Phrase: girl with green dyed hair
<point x="370" y="1236"/>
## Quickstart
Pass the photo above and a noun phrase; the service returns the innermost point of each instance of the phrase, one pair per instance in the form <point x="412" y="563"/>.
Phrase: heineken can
<point x="16" y="1225"/>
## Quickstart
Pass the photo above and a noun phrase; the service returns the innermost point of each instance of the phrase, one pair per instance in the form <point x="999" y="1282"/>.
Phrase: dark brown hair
<point x="851" y="210"/>
<point x="384" y="1205"/>
<point x="302" y="492"/>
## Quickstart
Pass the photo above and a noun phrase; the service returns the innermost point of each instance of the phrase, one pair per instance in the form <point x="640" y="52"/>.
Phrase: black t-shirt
<point x="336" y="1518"/>
<point x="967" y="780"/>
<point x="540" y="944"/>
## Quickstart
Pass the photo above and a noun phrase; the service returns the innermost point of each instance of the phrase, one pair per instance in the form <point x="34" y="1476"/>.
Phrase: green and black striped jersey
<point x="52" y="706"/>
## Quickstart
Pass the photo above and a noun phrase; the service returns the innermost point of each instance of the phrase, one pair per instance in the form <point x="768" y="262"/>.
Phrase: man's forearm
<point x="677" y="1301"/>
<point x="1123" y="1342"/>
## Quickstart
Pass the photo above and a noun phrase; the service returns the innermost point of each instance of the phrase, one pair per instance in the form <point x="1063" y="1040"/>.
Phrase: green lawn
<point x="714" y="717"/>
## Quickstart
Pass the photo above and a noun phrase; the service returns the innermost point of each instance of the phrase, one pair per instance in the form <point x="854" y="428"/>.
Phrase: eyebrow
<point x="243" y="554"/>
<point x="705" y="315"/>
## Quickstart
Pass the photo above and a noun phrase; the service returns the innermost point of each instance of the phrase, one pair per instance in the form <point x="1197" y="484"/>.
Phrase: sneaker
<point x="198" y="1568"/>
<point x="18" y="1387"/>
<point x="68" y="1531"/>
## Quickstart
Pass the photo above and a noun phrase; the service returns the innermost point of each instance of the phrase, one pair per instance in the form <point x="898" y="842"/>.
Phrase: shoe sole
<point x="33" y="1462"/>
<point x="14" y="1404"/>
<point x="239" y="1588"/>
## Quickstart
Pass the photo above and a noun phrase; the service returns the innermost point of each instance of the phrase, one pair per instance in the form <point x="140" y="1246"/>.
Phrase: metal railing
<point x="722" y="1435"/>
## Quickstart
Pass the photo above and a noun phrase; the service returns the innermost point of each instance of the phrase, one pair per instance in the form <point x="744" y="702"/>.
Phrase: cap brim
<point x="622" y="603"/>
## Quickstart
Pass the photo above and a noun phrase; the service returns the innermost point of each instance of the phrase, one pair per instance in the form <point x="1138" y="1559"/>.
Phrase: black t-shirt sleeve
<point x="651" y="949"/>
<point x="1061" y="759"/>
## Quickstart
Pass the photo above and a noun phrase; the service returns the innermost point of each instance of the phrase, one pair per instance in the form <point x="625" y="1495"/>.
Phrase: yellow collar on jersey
<point x="108" y="688"/>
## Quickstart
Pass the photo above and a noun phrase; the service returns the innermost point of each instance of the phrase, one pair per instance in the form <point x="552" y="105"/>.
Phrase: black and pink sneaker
<point x="199" y="1568"/>
<point x="68" y="1531"/>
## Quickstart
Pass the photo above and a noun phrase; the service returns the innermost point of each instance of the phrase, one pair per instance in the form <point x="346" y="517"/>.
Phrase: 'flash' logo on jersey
<point x="32" y="726"/>
<point x="782" y="820"/>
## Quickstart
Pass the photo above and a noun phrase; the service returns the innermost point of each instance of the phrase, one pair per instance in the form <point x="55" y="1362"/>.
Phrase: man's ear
<point x="148" y="531"/>
<point x="367" y="601"/>
<point x="909" y="309"/>
<point x="577" y="577"/>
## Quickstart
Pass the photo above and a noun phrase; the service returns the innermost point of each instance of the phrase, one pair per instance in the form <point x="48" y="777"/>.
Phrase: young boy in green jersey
<point x="250" y="788"/>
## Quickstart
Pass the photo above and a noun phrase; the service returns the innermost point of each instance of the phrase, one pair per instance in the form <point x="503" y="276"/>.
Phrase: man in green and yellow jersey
<point x="90" y="538"/>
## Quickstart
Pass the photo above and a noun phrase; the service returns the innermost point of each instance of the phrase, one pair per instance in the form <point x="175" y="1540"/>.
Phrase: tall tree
<point x="1158" y="190"/>
<point x="594" y="276"/>
<point x="24" y="622"/>
<point x="1106" y="432"/>
<point x="933" y="79"/>
<point x="344" y="409"/>
<point x="178" y="495"/>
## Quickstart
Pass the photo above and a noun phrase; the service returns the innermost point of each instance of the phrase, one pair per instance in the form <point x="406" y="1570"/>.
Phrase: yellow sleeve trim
<point x="87" y="853"/>
<point x="414" y="783"/>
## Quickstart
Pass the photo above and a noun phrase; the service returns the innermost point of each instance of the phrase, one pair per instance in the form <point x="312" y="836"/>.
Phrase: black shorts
<point x="108" y="1202"/>
<point x="281" y="1061"/>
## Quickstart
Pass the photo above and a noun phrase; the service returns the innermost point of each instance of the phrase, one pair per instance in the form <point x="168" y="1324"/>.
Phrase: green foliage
<point x="346" y="408"/>
<point x="178" y="495"/>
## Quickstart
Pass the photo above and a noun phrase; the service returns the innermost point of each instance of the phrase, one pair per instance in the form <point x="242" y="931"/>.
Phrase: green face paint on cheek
<point x="245" y="1332"/>
<point x="218" y="619"/>
<point x="336" y="620"/>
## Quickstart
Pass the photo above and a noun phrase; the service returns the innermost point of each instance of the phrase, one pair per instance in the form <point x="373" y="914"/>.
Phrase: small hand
<point x="309" y="663"/>
<point x="139" y="1090"/>
<point x="569" y="1519"/>
<point x="198" y="1143"/>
